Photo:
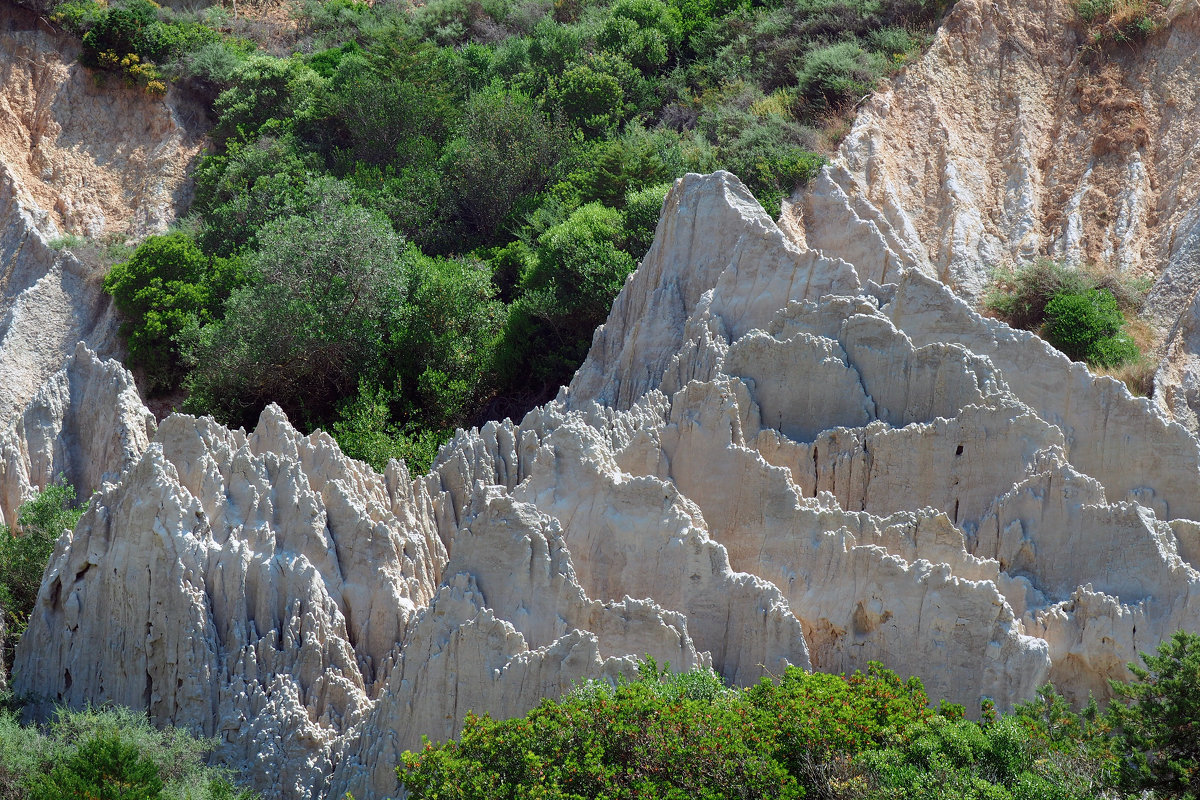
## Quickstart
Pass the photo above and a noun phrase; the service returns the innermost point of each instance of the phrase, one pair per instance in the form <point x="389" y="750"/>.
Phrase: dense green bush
<point x="109" y="754"/>
<point x="446" y="337"/>
<point x="364" y="430"/>
<point x="167" y="287"/>
<point x="1081" y="313"/>
<point x="1088" y="327"/>
<point x="826" y="736"/>
<point x="135" y="37"/>
<point x="25" y="551"/>
<point x="687" y="735"/>
<point x="839" y="73"/>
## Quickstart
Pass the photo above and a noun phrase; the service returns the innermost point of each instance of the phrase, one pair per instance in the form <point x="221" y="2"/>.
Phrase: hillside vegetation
<point x="417" y="218"/>
<point x="684" y="736"/>
<point x="106" y="754"/>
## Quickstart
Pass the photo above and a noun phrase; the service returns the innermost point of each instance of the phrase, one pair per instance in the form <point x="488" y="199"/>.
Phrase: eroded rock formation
<point x="1014" y="137"/>
<point x="104" y="163"/>
<point x="767" y="458"/>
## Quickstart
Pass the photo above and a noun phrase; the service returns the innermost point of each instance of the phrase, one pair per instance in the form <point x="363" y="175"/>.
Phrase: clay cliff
<point x="789" y="444"/>
<point x="104" y="164"/>
<point x="804" y="467"/>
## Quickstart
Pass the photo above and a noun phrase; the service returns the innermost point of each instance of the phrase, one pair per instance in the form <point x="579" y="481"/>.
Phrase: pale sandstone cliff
<point x="765" y="460"/>
<point x="75" y="158"/>
<point x="1012" y="139"/>
<point x="792" y="447"/>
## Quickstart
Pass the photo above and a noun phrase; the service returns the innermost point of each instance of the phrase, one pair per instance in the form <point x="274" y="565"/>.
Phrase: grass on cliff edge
<point x="688" y="737"/>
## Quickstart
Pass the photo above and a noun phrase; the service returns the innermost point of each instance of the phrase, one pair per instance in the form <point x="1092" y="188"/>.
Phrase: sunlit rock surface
<point x="766" y="459"/>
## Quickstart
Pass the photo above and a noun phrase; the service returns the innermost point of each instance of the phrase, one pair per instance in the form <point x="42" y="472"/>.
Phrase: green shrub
<point x="364" y="430"/>
<point x="592" y="100"/>
<point x="1019" y="296"/>
<point x="770" y="154"/>
<point x="647" y="33"/>
<point x="1079" y="312"/>
<point x="581" y="260"/>
<point x="266" y="92"/>
<point x="637" y="739"/>
<point x="1089" y="327"/>
<point x="167" y="287"/>
<point x="839" y="73"/>
<point x="109" y="753"/>
<point x="251" y="184"/>
<point x="642" y="209"/>
<point x="104" y="768"/>
<point x="25" y="553"/>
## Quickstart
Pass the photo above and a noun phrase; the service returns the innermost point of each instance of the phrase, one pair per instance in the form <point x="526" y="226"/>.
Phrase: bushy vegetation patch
<point x="108" y="754"/>
<point x="827" y="736"/>
<point x="1081" y="313"/>
<point x="415" y="216"/>
<point x="24" y="553"/>
<point x="1120" y="21"/>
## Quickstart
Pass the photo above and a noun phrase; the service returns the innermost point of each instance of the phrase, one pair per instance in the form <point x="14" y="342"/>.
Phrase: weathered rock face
<point x="765" y="460"/>
<point x="75" y="158"/>
<point x="86" y="424"/>
<point x="1010" y="139"/>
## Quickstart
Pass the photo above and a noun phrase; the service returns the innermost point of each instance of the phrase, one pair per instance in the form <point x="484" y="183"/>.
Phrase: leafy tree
<point x="503" y="148"/>
<point x="446" y="337"/>
<point x="1159" y="722"/>
<point x="375" y="102"/>
<point x="581" y="262"/>
<point x="591" y="99"/>
<point x="311" y="322"/>
<point x="252" y="183"/>
<point x="168" y="286"/>
<point x="267" y="93"/>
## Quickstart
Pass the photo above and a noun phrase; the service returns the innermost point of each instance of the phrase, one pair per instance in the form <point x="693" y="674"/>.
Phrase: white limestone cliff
<point x="106" y="164"/>
<point x="765" y="460"/>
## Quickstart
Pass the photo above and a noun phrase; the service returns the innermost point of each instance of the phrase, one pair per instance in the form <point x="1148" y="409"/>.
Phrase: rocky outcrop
<point x="1015" y="137"/>
<point x="86" y="425"/>
<point x="105" y="163"/>
<point x="766" y="459"/>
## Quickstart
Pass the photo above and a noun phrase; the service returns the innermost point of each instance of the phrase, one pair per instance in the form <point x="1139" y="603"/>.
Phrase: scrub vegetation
<point x="414" y="216"/>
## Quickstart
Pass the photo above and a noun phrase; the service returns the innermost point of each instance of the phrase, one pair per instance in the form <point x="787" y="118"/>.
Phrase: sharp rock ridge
<point x="768" y="458"/>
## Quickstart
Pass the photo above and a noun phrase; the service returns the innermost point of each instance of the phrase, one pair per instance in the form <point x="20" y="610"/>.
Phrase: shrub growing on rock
<point x="1088" y="327"/>
<point x="25" y="552"/>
